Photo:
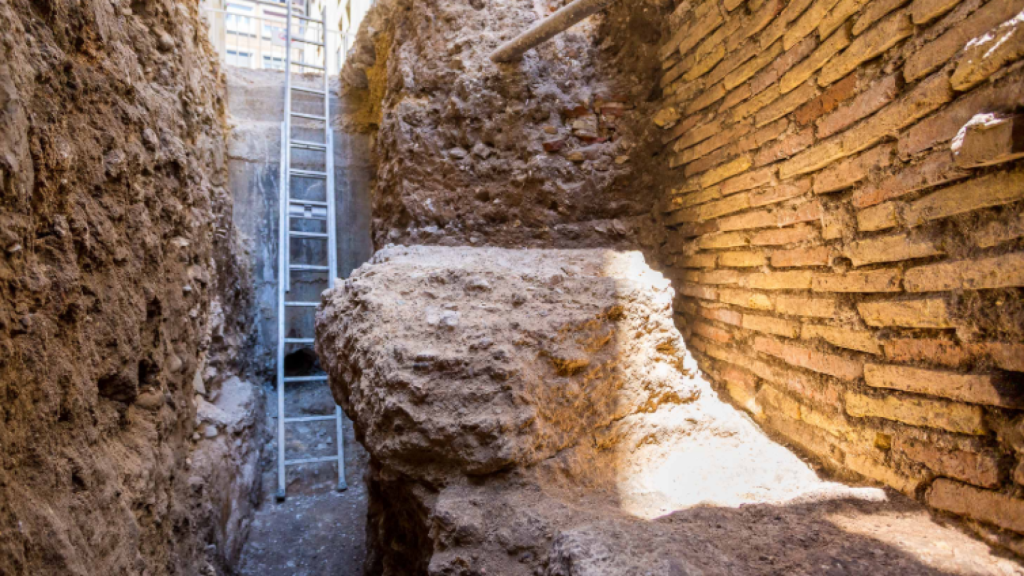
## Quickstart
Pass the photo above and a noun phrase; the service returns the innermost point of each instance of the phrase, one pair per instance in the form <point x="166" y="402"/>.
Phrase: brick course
<point x="848" y="237"/>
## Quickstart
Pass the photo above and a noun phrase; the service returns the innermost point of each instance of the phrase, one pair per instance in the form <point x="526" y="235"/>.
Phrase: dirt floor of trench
<point x="316" y="530"/>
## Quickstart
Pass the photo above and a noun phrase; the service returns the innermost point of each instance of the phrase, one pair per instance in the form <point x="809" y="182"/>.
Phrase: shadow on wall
<point x="256" y="108"/>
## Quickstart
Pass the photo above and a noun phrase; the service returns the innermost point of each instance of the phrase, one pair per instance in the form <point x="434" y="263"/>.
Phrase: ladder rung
<point x="308" y="90"/>
<point x="297" y="234"/>
<point x="310" y="419"/>
<point x="306" y="18"/>
<point x="308" y="145"/>
<point x="289" y="379"/>
<point x="313" y="66"/>
<point x="307" y="173"/>
<point x="311" y="460"/>
<point x="313" y="267"/>
<point x="299" y="340"/>
<point x="313" y="42"/>
<point x="308" y="202"/>
<point x="309" y="116"/>
<point x="303" y="305"/>
<point x="310" y="217"/>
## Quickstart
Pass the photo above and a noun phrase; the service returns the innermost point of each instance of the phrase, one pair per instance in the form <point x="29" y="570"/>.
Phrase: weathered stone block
<point x="989" y="139"/>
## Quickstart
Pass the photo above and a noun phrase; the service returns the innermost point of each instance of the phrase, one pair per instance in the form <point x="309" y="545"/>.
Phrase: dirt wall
<point x="540" y="152"/>
<point x="844" y="217"/>
<point x="122" y="294"/>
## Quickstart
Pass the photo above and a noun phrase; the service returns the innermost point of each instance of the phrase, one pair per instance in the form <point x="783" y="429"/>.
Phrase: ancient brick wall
<point x="844" y="228"/>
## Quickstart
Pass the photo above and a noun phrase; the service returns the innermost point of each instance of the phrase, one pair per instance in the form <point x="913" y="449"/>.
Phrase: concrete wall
<point x="845" y="231"/>
<point x="255" y="112"/>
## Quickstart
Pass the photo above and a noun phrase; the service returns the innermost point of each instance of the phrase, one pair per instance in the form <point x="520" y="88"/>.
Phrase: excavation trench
<point x="700" y="287"/>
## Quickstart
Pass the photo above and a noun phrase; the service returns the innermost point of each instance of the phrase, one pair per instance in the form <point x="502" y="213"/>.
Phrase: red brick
<point x="803" y="71"/>
<point x="810" y="211"/>
<point x="771" y="325"/>
<point x="880" y="217"/>
<point x="927" y="96"/>
<point x="982" y="505"/>
<point x="867" y="102"/>
<point x="936" y="169"/>
<point x="698" y="291"/>
<point x="874" y="42"/>
<point x="802" y="306"/>
<point x="889" y="249"/>
<point x="783" y="236"/>
<point x="920" y="313"/>
<point x="786" y="104"/>
<point x="762" y="135"/>
<point x="717" y="277"/>
<point x="919" y="411"/>
<point x="770" y="75"/>
<point x="972" y="388"/>
<point x="785" y="148"/>
<point x="816" y="256"/>
<point x="985" y="55"/>
<point x="733" y="98"/>
<point x="828" y="101"/>
<point x="837" y="15"/>
<point x="753" y="219"/>
<point x="1003" y="95"/>
<point x="745" y="298"/>
<point x="722" y="315"/>
<point x="849" y="172"/>
<point x="977" y="469"/>
<point x="699" y="260"/>
<point x="760" y="18"/>
<point x="942" y="49"/>
<point x="873" y="281"/>
<point x="985" y="273"/>
<point x="697" y="134"/>
<point x="803" y="385"/>
<point x="711" y="332"/>
<point x="752" y="179"/>
<point x="781" y="192"/>
<point x="873" y="12"/>
<point x="742" y="259"/>
<point x="862" y="340"/>
<point x="831" y="364"/>
<point x="927" y="350"/>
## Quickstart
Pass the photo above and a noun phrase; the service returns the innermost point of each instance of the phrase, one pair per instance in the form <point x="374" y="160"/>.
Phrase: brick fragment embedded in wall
<point x="850" y="231"/>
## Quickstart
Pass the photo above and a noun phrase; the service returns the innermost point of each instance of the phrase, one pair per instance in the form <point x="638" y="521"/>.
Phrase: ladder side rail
<point x="283" y="279"/>
<point x="332" y="226"/>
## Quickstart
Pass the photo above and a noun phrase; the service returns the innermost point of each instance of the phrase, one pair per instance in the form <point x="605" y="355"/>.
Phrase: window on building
<point x="273" y="62"/>
<point x="239" y="58"/>
<point x="238" y="20"/>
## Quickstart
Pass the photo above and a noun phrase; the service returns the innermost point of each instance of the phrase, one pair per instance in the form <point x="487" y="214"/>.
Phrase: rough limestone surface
<point x="536" y="412"/>
<point x="544" y="151"/>
<point x="122" y="296"/>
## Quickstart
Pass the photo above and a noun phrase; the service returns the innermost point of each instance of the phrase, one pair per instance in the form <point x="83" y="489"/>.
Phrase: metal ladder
<point x="300" y="210"/>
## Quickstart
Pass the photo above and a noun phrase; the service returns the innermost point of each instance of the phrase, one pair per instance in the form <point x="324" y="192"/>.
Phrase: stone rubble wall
<point x="124" y="298"/>
<point x="539" y="152"/>
<point x="845" y="217"/>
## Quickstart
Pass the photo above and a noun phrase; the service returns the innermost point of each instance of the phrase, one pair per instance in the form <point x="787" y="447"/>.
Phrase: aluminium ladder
<point x="300" y="209"/>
